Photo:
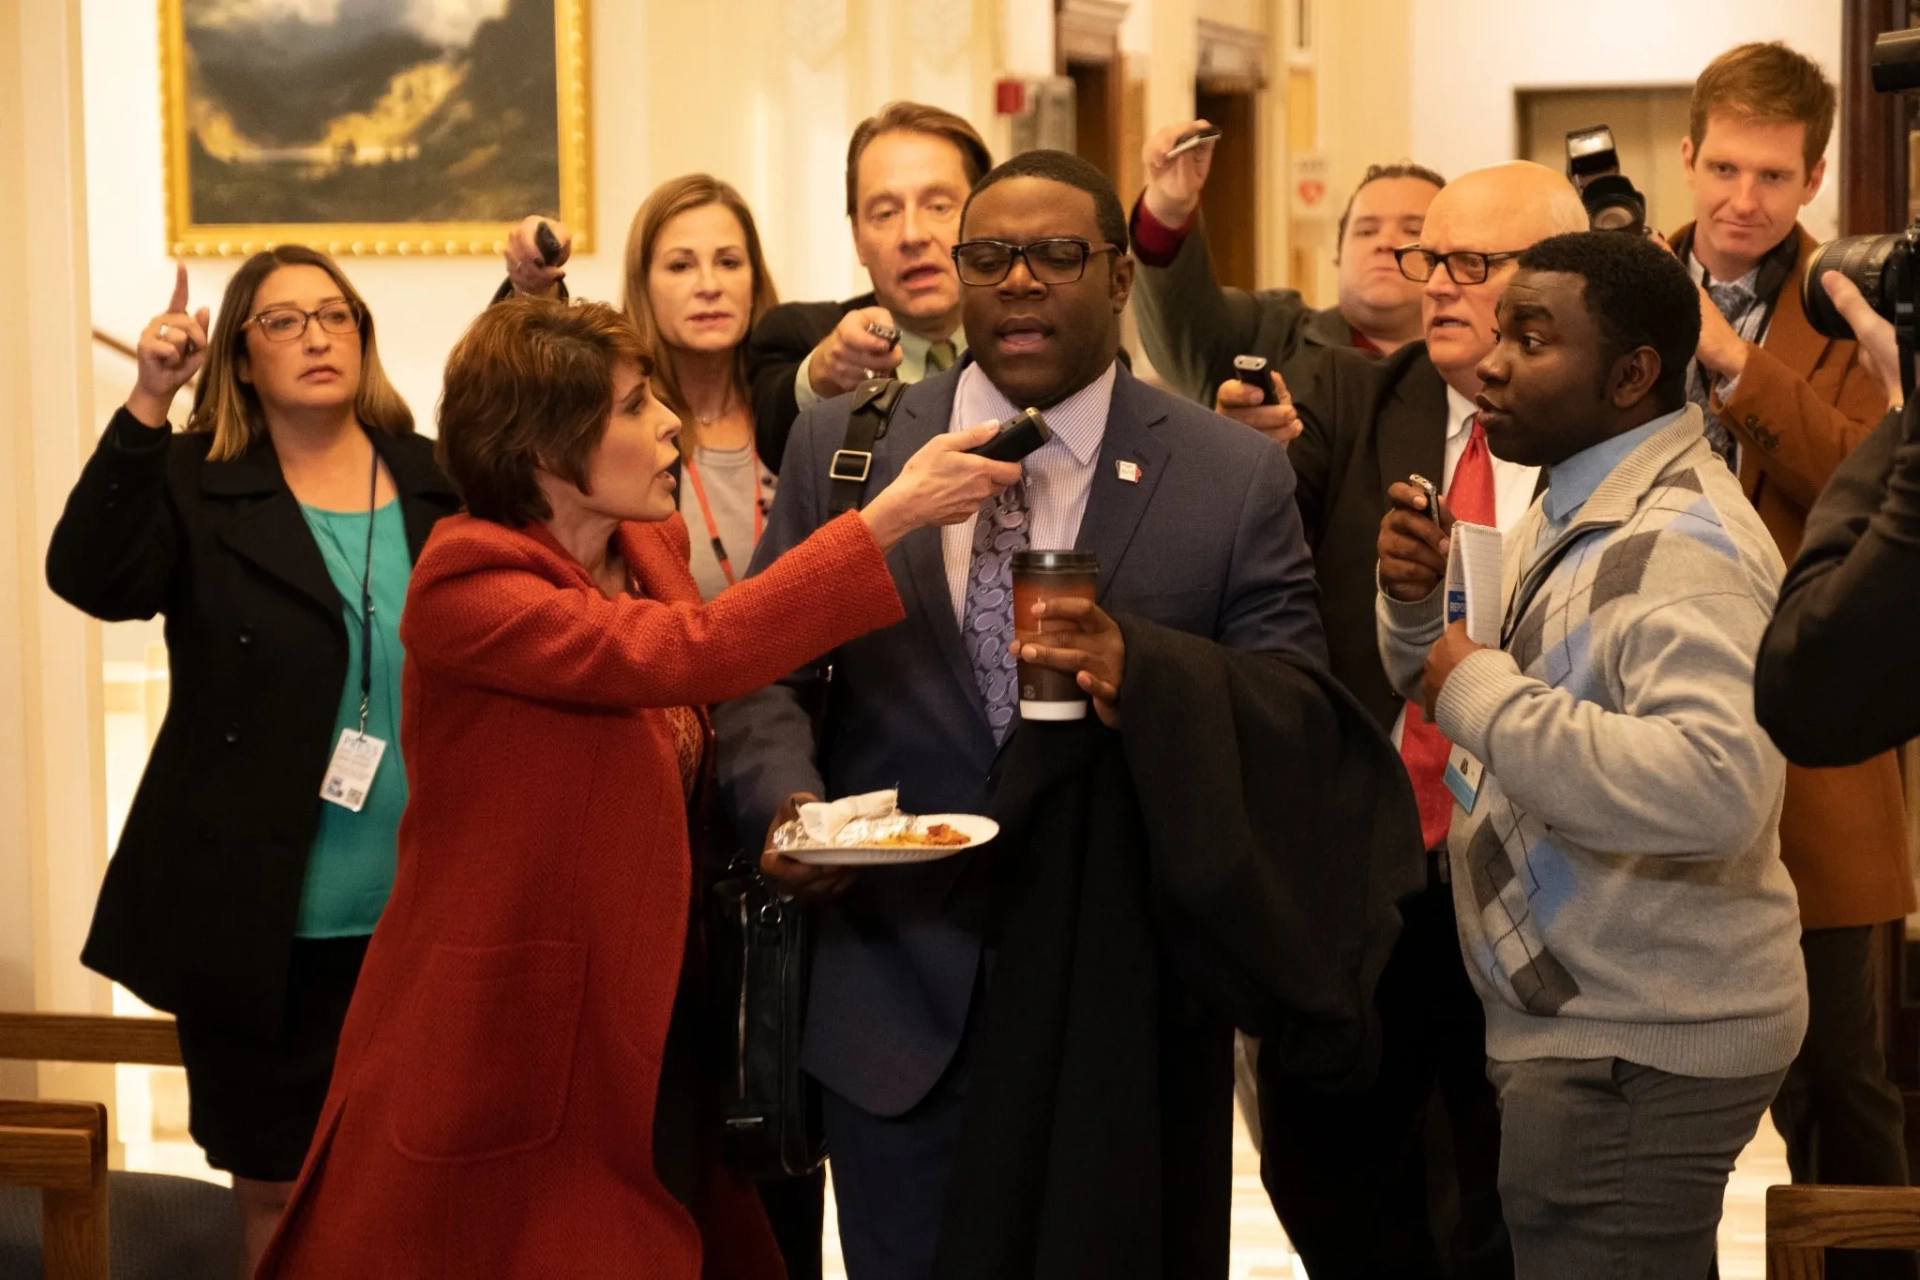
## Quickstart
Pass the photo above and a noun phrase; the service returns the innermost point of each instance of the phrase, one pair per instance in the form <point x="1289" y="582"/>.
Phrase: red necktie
<point x="1423" y="747"/>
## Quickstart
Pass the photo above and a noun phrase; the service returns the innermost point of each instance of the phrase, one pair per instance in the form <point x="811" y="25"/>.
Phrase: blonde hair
<point x="230" y="409"/>
<point x="1769" y="84"/>
<point x="668" y="201"/>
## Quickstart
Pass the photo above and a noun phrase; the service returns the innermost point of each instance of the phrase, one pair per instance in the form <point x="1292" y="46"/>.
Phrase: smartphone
<point x="1253" y="371"/>
<point x="1191" y="139"/>
<point x="1019" y="436"/>
<point x="885" y="332"/>
<point x="548" y="244"/>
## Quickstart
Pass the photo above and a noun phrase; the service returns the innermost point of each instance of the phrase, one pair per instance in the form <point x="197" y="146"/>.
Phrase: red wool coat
<point x="492" y="1105"/>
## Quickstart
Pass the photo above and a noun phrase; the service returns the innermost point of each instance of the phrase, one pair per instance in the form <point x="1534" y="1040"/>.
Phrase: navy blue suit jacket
<point x="1207" y="539"/>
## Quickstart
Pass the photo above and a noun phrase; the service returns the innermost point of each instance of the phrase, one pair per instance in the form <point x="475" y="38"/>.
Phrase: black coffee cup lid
<point x="1055" y="561"/>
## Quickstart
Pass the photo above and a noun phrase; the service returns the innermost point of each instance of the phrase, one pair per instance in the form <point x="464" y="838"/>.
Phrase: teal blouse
<point x="350" y="868"/>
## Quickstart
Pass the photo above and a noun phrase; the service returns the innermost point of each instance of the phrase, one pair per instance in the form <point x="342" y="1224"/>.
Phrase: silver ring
<point x="163" y="333"/>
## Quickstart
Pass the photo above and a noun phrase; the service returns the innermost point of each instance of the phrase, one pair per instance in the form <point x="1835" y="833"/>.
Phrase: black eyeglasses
<point x="284" y="324"/>
<point x="1464" y="266"/>
<point x="1060" y="260"/>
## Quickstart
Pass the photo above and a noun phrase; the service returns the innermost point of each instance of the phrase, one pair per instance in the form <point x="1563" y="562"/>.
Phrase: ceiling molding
<point x="1230" y="54"/>
<point x="1089" y="30"/>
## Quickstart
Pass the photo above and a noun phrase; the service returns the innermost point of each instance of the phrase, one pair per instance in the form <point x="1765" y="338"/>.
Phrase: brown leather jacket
<point x="1802" y="404"/>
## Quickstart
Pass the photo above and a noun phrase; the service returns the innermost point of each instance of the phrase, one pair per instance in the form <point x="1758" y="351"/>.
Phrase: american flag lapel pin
<point x="1127" y="471"/>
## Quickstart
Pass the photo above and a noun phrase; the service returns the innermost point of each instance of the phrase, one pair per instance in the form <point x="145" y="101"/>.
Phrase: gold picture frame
<point x="331" y="171"/>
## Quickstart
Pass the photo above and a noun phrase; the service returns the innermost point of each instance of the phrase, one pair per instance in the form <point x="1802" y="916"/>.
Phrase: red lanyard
<point x="706" y="511"/>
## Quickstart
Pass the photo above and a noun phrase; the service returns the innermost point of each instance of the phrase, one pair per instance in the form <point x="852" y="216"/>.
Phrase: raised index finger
<point x="179" y="300"/>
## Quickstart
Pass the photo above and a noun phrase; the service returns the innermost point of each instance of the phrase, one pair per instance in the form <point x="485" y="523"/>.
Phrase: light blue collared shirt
<point x="1572" y="481"/>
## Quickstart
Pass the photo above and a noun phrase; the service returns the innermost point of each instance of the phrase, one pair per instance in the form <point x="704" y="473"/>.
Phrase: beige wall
<point x="1363" y="58"/>
<point x="52" y="823"/>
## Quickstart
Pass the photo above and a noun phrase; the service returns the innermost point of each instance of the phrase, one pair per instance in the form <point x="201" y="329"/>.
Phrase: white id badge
<point x="1463" y="777"/>
<point x="350" y="773"/>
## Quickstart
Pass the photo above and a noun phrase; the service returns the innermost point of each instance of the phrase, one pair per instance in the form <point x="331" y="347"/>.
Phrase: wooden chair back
<point x="1803" y="1222"/>
<point x="61" y="1148"/>
<point x="86" y="1037"/>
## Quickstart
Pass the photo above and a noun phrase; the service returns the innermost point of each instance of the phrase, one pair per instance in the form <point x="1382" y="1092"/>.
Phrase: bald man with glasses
<point x="1350" y="1175"/>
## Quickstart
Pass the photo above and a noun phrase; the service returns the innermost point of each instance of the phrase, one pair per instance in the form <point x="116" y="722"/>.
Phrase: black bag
<point x="759" y="959"/>
<point x="760" y="945"/>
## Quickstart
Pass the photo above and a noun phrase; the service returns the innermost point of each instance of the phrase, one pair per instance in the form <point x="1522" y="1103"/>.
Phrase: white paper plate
<point x="976" y="828"/>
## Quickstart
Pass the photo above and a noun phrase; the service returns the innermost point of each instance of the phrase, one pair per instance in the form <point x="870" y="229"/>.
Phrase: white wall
<point x="1470" y="56"/>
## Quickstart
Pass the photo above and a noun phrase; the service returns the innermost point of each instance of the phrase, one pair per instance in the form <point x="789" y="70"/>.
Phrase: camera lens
<point x="1875" y="264"/>
<point x="1613" y="204"/>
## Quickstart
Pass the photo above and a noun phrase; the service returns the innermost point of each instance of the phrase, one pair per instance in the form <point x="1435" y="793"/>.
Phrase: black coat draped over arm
<point x="1232" y="857"/>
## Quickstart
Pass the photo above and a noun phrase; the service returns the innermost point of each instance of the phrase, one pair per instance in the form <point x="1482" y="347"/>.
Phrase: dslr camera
<point x="1593" y="166"/>
<point x="1883" y="267"/>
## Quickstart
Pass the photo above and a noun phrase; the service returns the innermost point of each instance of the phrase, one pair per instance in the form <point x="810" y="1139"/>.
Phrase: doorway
<point x="1230" y="199"/>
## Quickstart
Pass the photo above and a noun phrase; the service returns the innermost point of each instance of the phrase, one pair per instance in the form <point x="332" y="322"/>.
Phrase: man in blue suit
<point x="1192" y="518"/>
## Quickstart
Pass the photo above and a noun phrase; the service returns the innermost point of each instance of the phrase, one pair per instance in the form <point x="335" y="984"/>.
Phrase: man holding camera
<point x="1784" y="405"/>
<point x="1193" y="328"/>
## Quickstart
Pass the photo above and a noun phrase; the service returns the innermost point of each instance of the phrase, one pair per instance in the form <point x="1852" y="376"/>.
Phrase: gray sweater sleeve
<point x="1681" y="767"/>
<point x="1406" y="632"/>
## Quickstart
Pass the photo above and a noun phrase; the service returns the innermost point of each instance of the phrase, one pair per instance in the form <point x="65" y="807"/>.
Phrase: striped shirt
<point x="1058" y="474"/>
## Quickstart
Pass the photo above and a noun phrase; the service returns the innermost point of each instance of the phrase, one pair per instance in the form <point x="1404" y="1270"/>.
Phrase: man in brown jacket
<point x="1784" y="406"/>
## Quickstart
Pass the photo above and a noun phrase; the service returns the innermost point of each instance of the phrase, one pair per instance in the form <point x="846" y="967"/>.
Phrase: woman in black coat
<point x="276" y="534"/>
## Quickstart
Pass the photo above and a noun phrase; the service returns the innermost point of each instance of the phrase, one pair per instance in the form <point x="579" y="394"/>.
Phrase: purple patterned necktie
<point x="1000" y="531"/>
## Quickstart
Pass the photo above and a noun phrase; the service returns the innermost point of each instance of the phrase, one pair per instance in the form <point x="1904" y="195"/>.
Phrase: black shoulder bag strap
<point x="867" y="422"/>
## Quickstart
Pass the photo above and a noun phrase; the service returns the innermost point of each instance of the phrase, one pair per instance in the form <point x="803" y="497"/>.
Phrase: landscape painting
<point x="372" y="126"/>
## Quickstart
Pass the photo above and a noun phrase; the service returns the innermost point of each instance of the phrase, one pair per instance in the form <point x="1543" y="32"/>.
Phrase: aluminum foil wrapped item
<point x="850" y="822"/>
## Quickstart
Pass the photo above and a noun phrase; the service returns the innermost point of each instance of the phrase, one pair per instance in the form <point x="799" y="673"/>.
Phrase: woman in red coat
<point x="493" y="1110"/>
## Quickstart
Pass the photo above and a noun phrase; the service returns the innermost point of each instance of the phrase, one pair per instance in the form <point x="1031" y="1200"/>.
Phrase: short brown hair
<point x="668" y="201"/>
<point x="229" y="409"/>
<point x="1379" y="173"/>
<point x="916" y="117"/>
<point x="1768" y="83"/>
<point x="530" y="386"/>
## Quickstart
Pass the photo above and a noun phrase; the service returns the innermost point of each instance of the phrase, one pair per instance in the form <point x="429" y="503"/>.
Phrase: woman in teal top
<point x="239" y="899"/>
<point x="350" y="868"/>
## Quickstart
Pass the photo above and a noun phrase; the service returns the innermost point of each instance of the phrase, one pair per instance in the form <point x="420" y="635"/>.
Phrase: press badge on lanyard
<point x="357" y="757"/>
<point x="350" y="775"/>
<point x="1463" y="777"/>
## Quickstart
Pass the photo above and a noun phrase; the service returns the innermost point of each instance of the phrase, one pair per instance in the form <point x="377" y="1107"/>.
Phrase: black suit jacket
<point x="1366" y="422"/>
<point x="200" y="901"/>
<point x="783" y="338"/>
<point x="1835" y="683"/>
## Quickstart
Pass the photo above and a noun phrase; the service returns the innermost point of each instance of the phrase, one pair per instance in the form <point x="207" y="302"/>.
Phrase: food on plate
<point x="938" y="834"/>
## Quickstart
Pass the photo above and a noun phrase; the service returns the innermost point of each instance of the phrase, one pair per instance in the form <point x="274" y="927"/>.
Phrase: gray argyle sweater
<point x="1618" y="882"/>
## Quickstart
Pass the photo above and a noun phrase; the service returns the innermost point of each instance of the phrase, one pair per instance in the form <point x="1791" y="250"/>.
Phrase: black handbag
<point x="760" y="945"/>
<point x="759" y="957"/>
